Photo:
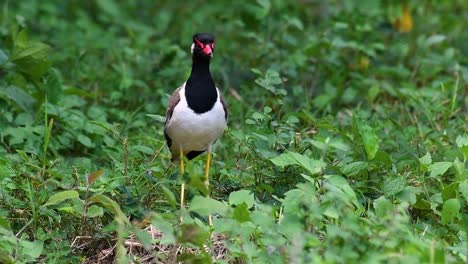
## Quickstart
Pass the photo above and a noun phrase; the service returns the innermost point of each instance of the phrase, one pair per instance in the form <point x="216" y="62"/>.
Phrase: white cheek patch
<point x="192" y="47"/>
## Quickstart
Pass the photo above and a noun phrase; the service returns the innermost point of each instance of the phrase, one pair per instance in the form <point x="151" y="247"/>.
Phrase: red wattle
<point x="207" y="50"/>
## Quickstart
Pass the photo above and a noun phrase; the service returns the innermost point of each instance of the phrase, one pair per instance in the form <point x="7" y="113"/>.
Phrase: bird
<point x="196" y="114"/>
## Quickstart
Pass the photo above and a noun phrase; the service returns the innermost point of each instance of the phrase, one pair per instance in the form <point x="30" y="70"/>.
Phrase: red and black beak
<point x="207" y="49"/>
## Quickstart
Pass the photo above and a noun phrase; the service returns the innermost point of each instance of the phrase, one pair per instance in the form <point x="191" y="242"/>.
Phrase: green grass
<point x="347" y="139"/>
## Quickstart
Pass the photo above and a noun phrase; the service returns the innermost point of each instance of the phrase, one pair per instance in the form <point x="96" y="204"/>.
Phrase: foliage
<point x="347" y="139"/>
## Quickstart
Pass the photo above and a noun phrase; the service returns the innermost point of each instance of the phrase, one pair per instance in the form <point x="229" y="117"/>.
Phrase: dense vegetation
<point x="347" y="138"/>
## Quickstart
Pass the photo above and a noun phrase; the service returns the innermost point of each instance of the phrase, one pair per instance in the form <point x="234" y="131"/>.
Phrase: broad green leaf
<point x="368" y="136"/>
<point x="293" y="158"/>
<point x="354" y="168"/>
<point x="303" y="194"/>
<point x="450" y="210"/>
<point x="31" y="59"/>
<point x="435" y="39"/>
<point x="110" y="8"/>
<point x="166" y="227"/>
<point x="20" y="97"/>
<point x="439" y="168"/>
<point x="331" y="212"/>
<point x="408" y="194"/>
<point x="421" y="203"/>
<point x="383" y="207"/>
<point x="462" y="143"/>
<point x="32" y="49"/>
<point x="142" y="149"/>
<point x="85" y="140"/>
<point x="145" y="238"/>
<point x="464" y="189"/>
<point x="4" y="223"/>
<point x="111" y="205"/>
<point x="384" y="158"/>
<point x="450" y="191"/>
<point x="459" y="167"/>
<point x="242" y="196"/>
<point x="394" y="185"/>
<point x="32" y="249"/>
<point x="342" y="184"/>
<point x="94" y="211"/>
<point x="62" y="196"/>
<point x="425" y="161"/>
<point x="241" y="213"/>
<point x="193" y="234"/>
<point x="206" y="206"/>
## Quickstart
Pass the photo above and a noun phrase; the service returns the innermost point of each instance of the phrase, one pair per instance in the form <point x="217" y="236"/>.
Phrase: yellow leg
<point x="207" y="178"/>
<point x="182" y="186"/>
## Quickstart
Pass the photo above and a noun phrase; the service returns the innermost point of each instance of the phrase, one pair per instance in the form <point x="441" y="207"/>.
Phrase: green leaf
<point x="111" y="205"/>
<point x="425" y="161"/>
<point x="422" y="204"/>
<point x="241" y="213"/>
<point x="31" y="50"/>
<point x="53" y="86"/>
<point x="3" y="58"/>
<point x="464" y="189"/>
<point x="459" y="167"/>
<point x="85" y="140"/>
<point x="145" y="238"/>
<point x="450" y="210"/>
<point x="193" y="234"/>
<point x="62" y="196"/>
<point x="31" y="58"/>
<point x="354" y="168"/>
<point x="158" y="118"/>
<point x="435" y="39"/>
<point x="166" y="227"/>
<point x="462" y="143"/>
<point x="195" y="258"/>
<point x="340" y="183"/>
<point x="450" y="191"/>
<point x="368" y="136"/>
<point x="32" y="249"/>
<point x="110" y="8"/>
<point x="293" y="158"/>
<point x="394" y="185"/>
<point x="20" y="97"/>
<point x="383" y="207"/>
<point x="242" y="196"/>
<point x="142" y="149"/>
<point x="439" y="168"/>
<point x="94" y="211"/>
<point x="4" y="223"/>
<point x="383" y="158"/>
<point x="206" y="206"/>
<point x="170" y="197"/>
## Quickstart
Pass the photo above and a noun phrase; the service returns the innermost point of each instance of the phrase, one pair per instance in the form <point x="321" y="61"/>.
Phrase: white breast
<point x="193" y="131"/>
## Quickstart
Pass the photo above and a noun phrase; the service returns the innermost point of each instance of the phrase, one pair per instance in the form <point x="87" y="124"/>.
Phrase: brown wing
<point x="173" y="101"/>
<point x="223" y="102"/>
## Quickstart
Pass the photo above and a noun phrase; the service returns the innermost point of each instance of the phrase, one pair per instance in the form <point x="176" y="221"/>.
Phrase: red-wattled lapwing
<point x="196" y="115"/>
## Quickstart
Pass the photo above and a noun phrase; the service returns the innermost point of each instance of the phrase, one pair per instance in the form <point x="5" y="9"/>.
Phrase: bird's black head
<point x="203" y="46"/>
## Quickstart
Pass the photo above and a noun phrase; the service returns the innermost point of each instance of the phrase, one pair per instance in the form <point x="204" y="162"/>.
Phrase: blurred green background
<point x="348" y="120"/>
